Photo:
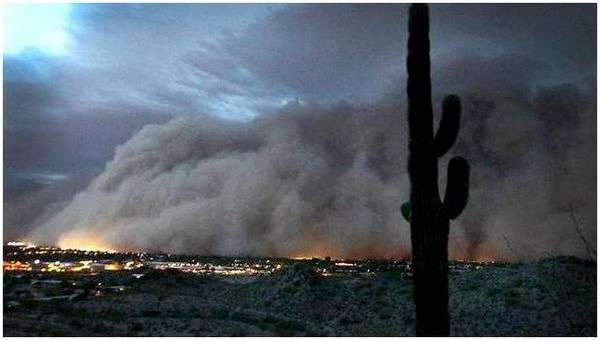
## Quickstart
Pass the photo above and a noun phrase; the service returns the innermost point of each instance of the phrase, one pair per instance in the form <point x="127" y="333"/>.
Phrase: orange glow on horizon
<point x="321" y="250"/>
<point x="83" y="241"/>
<point x="317" y="249"/>
<point x="86" y="240"/>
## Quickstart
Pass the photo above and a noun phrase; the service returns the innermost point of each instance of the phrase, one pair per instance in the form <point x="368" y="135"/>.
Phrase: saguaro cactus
<point x="429" y="216"/>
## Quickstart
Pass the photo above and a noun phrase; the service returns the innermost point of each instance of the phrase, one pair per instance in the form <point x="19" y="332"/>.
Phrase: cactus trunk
<point x="429" y="217"/>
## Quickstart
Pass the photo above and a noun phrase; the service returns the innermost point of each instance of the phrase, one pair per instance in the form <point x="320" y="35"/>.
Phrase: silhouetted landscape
<point x="161" y="295"/>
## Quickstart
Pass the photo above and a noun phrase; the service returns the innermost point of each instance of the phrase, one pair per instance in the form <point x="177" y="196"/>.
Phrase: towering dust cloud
<point x="306" y="182"/>
<point x="329" y="181"/>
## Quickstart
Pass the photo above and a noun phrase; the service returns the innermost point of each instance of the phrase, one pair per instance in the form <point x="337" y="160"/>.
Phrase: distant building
<point x="16" y="265"/>
<point x="113" y="266"/>
<point x="97" y="267"/>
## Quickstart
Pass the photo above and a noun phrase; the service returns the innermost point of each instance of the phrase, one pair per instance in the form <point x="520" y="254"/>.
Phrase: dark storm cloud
<point x="326" y="52"/>
<point x="559" y="34"/>
<point x="522" y="71"/>
<point x="143" y="52"/>
<point x="354" y="52"/>
<point x="53" y="139"/>
<point x="46" y="123"/>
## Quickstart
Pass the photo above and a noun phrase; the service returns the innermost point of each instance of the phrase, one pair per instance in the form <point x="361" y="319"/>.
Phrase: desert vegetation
<point x="551" y="297"/>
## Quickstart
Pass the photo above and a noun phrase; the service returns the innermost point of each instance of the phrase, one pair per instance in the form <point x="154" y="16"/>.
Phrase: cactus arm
<point x="449" y="125"/>
<point x="457" y="189"/>
<point x="406" y="211"/>
<point x="420" y="112"/>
